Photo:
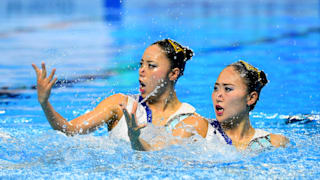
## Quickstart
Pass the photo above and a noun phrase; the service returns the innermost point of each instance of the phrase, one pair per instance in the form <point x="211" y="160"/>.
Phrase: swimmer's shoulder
<point x="114" y="100"/>
<point x="196" y="118"/>
<point x="198" y="122"/>
<point x="278" y="140"/>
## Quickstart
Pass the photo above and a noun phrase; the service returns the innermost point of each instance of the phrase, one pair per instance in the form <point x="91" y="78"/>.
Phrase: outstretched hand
<point x="44" y="83"/>
<point x="134" y="129"/>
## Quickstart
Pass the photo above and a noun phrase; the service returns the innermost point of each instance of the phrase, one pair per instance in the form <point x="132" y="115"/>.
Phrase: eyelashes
<point x="150" y="66"/>
<point x="227" y="89"/>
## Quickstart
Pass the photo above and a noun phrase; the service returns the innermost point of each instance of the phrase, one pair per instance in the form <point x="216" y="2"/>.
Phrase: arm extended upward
<point x="107" y="111"/>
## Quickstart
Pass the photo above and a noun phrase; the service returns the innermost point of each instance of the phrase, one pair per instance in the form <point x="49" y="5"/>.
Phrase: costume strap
<point x="217" y="125"/>
<point x="148" y="110"/>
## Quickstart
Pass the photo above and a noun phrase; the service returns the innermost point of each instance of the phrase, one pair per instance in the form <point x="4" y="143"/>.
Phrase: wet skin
<point x="230" y="96"/>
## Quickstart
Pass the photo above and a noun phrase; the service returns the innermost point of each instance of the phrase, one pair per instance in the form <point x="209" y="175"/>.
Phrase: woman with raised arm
<point x="161" y="65"/>
<point x="235" y="94"/>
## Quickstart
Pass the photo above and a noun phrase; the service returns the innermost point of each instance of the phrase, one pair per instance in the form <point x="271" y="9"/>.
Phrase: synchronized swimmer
<point x="161" y="65"/>
<point x="236" y="91"/>
<point x="235" y="94"/>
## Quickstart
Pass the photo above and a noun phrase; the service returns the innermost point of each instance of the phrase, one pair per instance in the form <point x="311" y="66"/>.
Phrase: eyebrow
<point x="224" y="84"/>
<point x="148" y="61"/>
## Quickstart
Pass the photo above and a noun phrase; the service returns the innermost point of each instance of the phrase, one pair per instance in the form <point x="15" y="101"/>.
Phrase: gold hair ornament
<point x="176" y="48"/>
<point x="249" y="67"/>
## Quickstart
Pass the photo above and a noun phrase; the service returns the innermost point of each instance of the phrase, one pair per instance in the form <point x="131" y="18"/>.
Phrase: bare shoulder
<point x="115" y="99"/>
<point x="198" y="122"/>
<point x="196" y="118"/>
<point x="278" y="140"/>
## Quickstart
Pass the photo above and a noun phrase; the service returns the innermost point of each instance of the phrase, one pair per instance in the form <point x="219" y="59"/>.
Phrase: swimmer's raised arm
<point x="44" y="83"/>
<point x="107" y="111"/>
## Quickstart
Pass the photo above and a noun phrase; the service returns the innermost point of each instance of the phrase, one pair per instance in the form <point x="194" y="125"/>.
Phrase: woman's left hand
<point x="134" y="129"/>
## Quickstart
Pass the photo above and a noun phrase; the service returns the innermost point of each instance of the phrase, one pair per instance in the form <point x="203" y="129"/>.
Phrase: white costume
<point x="120" y="131"/>
<point x="261" y="140"/>
<point x="216" y="132"/>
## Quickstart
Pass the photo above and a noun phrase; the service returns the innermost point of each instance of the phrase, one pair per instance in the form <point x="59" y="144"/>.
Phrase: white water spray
<point x="153" y="93"/>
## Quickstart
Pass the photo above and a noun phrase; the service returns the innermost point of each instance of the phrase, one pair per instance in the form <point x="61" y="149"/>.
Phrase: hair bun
<point x="263" y="78"/>
<point x="188" y="53"/>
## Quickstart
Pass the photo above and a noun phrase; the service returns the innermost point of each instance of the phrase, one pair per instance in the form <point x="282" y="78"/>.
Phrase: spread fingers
<point x="52" y="74"/>
<point x="43" y="71"/>
<point x="36" y="69"/>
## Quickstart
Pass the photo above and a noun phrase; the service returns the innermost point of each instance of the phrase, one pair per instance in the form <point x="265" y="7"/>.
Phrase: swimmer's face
<point x="230" y="96"/>
<point x="154" y="70"/>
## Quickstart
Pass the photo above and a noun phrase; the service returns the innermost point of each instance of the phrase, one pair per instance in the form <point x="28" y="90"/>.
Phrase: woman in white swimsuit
<point x="161" y="65"/>
<point x="235" y="94"/>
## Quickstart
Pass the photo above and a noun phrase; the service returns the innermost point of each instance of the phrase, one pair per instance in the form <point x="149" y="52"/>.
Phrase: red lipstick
<point x="219" y="110"/>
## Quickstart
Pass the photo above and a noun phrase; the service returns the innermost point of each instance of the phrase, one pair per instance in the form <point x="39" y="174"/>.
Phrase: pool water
<point x="96" y="47"/>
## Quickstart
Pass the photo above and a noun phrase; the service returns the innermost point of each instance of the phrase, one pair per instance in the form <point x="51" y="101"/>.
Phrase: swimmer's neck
<point x="166" y="101"/>
<point x="242" y="131"/>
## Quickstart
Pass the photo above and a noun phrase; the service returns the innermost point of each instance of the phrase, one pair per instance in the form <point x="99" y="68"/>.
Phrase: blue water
<point x="82" y="38"/>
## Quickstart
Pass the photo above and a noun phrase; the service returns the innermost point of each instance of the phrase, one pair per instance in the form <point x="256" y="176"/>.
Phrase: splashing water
<point x="155" y="90"/>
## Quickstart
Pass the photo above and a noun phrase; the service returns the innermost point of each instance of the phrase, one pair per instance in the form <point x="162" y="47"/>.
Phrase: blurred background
<point x="98" y="44"/>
